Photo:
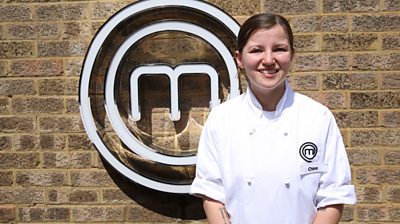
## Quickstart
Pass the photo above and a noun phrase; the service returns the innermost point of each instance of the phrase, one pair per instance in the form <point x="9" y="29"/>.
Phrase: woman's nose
<point x="268" y="58"/>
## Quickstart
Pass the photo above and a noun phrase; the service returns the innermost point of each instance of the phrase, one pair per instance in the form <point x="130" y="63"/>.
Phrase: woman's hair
<point x="263" y="21"/>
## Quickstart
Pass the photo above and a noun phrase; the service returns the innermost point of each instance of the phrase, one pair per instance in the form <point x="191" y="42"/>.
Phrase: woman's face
<point x="266" y="59"/>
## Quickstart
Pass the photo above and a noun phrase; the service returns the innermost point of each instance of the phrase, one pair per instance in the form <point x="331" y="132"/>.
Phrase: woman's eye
<point x="281" y="49"/>
<point x="255" y="50"/>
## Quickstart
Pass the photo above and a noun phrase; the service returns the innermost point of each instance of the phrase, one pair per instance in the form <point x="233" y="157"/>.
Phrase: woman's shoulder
<point x="227" y="109"/>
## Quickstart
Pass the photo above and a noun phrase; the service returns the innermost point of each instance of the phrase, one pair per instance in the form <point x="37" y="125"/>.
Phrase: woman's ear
<point x="238" y="58"/>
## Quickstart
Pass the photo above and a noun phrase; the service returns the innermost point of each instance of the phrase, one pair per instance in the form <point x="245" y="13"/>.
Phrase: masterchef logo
<point x="150" y="76"/>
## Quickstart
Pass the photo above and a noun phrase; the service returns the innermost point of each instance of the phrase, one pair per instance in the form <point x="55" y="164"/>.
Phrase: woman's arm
<point x="215" y="211"/>
<point x="329" y="215"/>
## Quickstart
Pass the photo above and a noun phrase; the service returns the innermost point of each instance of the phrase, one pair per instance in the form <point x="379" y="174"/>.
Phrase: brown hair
<point x="263" y="21"/>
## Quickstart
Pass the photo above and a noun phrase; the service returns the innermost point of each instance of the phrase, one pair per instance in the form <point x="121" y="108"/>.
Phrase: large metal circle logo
<point x="150" y="76"/>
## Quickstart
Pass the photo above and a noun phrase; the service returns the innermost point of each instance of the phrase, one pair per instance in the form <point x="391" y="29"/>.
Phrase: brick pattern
<point x="347" y="57"/>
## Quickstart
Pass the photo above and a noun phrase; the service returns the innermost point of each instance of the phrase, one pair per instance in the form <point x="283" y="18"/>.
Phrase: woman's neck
<point x="269" y="99"/>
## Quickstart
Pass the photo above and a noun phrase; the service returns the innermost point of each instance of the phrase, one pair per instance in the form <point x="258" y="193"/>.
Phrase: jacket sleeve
<point x="335" y="185"/>
<point x="208" y="180"/>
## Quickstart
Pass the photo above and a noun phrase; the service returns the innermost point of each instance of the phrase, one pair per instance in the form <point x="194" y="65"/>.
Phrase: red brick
<point x="79" y="142"/>
<point x="103" y="10"/>
<point x="304" y="81"/>
<point x="19" y="160"/>
<point x="21" y="195"/>
<point x="98" y="214"/>
<point x="372" y="23"/>
<point x="388" y="137"/>
<point x="6" y="178"/>
<point x="83" y="196"/>
<point x="354" y="119"/>
<point x="333" y="100"/>
<point x="29" y="31"/>
<point x="348" y="213"/>
<point x="391" y="5"/>
<point x="291" y="7"/>
<point x="34" y="67"/>
<point x="72" y="105"/>
<point x="391" y="41"/>
<point x="392" y="194"/>
<point x="74" y="160"/>
<point x="392" y="157"/>
<point x="139" y="214"/>
<point x="307" y="43"/>
<point x="62" y="11"/>
<point x="62" y="48"/>
<point x="353" y="81"/>
<point x="4" y="105"/>
<point x="372" y="213"/>
<point x="350" y="6"/>
<point x="41" y="105"/>
<point x="44" y="214"/>
<point x="115" y="196"/>
<point x="15" y="49"/>
<point x="5" y="143"/>
<point x="394" y="213"/>
<point x="12" y="13"/>
<point x="76" y="30"/>
<point x="41" y="178"/>
<point x="349" y="42"/>
<point x="17" y="124"/>
<point x="390" y="118"/>
<point x="90" y="178"/>
<point x="378" y="100"/>
<point x="1" y="36"/>
<point x="391" y="81"/>
<point x="368" y="213"/>
<point x="2" y="64"/>
<point x="367" y="194"/>
<point x="17" y="87"/>
<point x="238" y="7"/>
<point x="53" y="142"/>
<point x="313" y="23"/>
<point x="26" y="142"/>
<point x="60" y="124"/>
<point x="69" y="195"/>
<point x="7" y="213"/>
<point x="320" y="62"/>
<point x="58" y="87"/>
<point x="378" y="176"/>
<point x="359" y="157"/>
<point x="375" y="61"/>
<point x="73" y="66"/>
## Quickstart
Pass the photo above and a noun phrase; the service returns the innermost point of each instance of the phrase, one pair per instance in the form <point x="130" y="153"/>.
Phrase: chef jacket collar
<point x="256" y="107"/>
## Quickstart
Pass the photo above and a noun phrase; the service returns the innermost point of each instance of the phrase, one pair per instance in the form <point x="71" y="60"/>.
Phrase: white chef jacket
<point x="273" y="167"/>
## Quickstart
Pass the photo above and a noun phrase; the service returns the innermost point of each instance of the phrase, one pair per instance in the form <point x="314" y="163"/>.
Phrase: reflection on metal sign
<point x="173" y="75"/>
<point x="123" y="113"/>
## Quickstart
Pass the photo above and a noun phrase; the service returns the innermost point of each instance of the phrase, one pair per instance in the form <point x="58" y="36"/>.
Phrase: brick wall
<point x="347" y="58"/>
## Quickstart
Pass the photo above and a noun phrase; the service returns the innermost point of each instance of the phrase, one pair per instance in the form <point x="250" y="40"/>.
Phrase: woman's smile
<point x="266" y="59"/>
<point x="270" y="71"/>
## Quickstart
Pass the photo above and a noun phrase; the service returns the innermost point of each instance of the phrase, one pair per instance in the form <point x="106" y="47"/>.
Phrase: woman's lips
<point x="269" y="71"/>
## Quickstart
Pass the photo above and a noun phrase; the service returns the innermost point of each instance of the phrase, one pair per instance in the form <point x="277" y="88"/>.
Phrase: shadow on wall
<point x="179" y="206"/>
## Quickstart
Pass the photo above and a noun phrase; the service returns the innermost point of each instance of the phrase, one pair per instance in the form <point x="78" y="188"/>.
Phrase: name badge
<point x="313" y="168"/>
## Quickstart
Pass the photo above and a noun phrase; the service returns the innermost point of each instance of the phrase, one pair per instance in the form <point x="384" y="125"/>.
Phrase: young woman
<point x="271" y="155"/>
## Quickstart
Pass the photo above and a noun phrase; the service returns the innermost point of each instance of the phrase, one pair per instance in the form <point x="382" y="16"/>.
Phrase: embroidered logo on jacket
<point x="308" y="151"/>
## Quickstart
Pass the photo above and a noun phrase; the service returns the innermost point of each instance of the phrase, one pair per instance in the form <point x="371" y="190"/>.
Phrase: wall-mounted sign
<point x="150" y="76"/>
